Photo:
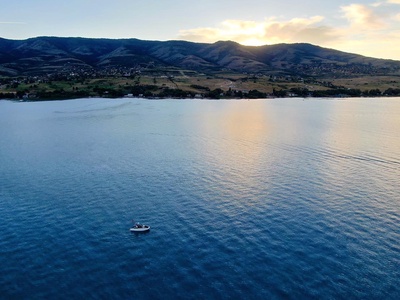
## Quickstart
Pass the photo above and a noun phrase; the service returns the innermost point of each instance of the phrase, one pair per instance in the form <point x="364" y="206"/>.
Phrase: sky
<point x="370" y="28"/>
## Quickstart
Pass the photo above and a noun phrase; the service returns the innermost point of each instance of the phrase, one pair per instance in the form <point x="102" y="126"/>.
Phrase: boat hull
<point x="140" y="229"/>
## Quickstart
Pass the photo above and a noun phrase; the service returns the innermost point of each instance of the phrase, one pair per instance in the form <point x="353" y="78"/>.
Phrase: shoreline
<point x="203" y="99"/>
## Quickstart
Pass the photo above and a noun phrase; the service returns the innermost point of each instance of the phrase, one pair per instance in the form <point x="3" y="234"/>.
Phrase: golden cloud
<point x="267" y="32"/>
<point x="363" y="16"/>
<point x="364" y="27"/>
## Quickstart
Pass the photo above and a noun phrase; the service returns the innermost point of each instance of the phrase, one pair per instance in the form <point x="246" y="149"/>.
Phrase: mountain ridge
<point x="43" y="55"/>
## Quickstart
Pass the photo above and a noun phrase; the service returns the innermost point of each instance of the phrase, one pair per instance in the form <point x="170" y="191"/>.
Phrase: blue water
<point x="262" y="199"/>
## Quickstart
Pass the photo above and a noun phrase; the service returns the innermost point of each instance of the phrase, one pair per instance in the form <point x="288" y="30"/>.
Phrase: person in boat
<point x="137" y="224"/>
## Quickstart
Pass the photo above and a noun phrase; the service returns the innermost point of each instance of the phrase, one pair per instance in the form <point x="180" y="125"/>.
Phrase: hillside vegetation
<point x="73" y="67"/>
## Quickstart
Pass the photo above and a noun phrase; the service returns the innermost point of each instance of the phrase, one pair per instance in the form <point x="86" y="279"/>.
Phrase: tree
<point x="215" y="94"/>
<point x="280" y="93"/>
<point x="255" y="94"/>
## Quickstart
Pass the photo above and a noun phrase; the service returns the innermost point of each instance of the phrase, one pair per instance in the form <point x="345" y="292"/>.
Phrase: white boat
<point x="139" y="228"/>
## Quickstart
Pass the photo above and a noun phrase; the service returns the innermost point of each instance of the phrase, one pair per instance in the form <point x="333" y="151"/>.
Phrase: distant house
<point x="29" y="96"/>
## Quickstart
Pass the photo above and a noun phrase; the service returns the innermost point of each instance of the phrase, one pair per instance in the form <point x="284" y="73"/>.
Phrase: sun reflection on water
<point x="234" y="148"/>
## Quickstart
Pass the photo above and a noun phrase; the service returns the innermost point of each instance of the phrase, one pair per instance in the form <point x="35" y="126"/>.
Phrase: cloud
<point x="363" y="16"/>
<point x="300" y="30"/>
<point x="266" y="32"/>
<point x="371" y="30"/>
<point x="13" y="23"/>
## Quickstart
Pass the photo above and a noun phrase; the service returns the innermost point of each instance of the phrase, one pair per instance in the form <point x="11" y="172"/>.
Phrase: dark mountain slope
<point x="52" y="54"/>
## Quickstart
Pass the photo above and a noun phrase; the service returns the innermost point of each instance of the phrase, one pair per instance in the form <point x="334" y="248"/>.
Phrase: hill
<point x="49" y="55"/>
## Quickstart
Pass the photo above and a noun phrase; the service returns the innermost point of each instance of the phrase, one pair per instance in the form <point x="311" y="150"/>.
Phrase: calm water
<point x="264" y="199"/>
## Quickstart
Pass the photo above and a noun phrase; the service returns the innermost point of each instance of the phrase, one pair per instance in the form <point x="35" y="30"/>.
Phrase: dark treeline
<point x="152" y="91"/>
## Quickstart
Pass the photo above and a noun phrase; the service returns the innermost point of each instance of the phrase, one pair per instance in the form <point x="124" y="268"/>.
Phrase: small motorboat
<point x="139" y="228"/>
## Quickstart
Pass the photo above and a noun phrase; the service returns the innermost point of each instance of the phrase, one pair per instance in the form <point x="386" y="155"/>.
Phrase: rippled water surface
<point x="264" y="199"/>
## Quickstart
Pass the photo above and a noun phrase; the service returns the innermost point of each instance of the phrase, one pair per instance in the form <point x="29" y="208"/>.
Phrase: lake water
<point x="262" y="199"/>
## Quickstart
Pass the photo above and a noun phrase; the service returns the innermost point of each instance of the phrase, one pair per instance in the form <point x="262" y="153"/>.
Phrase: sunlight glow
<point x="363" y="26"/>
